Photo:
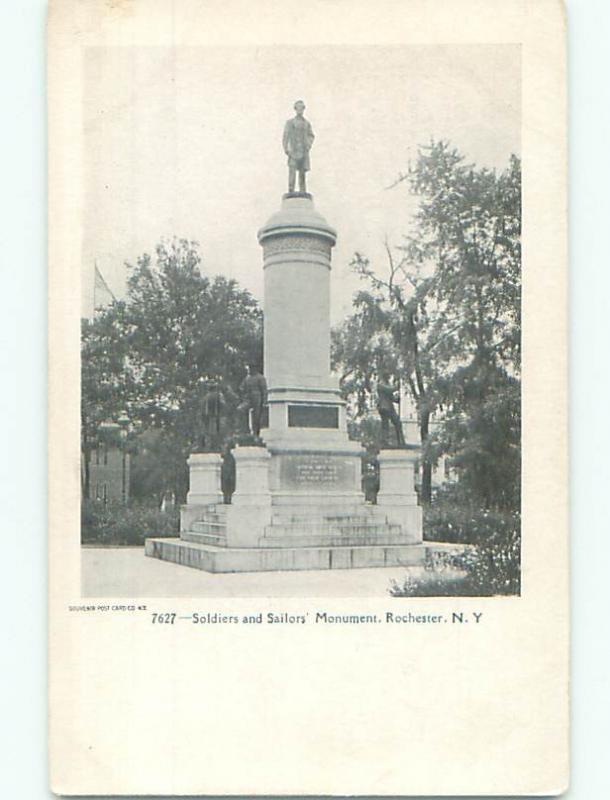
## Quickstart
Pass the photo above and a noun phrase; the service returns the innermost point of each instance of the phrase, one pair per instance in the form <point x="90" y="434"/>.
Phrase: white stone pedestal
<point x="204" y="479"/>
<point x="397" y="499"/>
<point x="250" y="509"/>
<point x="204" y="487"/>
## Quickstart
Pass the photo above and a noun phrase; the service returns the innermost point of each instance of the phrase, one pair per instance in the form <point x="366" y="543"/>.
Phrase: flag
<point x="102" y="295"/>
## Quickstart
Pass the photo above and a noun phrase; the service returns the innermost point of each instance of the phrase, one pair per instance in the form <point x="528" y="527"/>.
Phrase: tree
<point x="106" y="386"/>
<point x="362" y="346"/>
<point x="468" y="227"/>
<point x="175" y="329"/>
<point x="449" y="301"/>
<point x="390" y="332"/>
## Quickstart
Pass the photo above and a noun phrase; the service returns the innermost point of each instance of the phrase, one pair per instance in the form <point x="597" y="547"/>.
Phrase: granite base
<point x="234" y="559"/>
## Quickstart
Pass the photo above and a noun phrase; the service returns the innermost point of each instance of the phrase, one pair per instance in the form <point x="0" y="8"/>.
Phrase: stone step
<point x="307" y="519"/>
<point x="208" y="526"/>
<point x="214" y="515"/>
<point x="216" y="509"/>
<point x="333" y="531"/>
<point x="217" y="540"/>
<point x="321" y="509"/>
<point x="329" y="526"/>
<point x="334" y="540"/>
<point x="319" y="519"/>
<point x="231" y="559"/>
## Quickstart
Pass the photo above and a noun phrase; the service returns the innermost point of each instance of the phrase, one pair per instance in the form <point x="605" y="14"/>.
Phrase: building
<point x="109" y="474"/>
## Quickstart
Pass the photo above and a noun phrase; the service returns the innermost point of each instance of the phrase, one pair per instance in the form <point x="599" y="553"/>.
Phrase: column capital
<point x="203" y="460"/>
<point x="399" y="455"/>
<point x="246" y="454"/>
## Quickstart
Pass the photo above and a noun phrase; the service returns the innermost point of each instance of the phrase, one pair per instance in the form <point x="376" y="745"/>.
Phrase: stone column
<point x="305" y="404"/>
<point x="204" y="479"/>
<point x="297" y="243"/>
<point x="397" y="500"/>
<point x="250" y="509"/>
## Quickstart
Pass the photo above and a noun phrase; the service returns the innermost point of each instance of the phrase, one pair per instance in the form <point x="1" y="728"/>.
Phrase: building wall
<point x="106" y="474"/>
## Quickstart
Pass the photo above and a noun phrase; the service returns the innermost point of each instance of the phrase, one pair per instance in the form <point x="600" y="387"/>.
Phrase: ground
<point x="127" y="572"/>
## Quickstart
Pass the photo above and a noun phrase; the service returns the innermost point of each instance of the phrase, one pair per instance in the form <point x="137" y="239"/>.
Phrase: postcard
<point x="308" y="398"/>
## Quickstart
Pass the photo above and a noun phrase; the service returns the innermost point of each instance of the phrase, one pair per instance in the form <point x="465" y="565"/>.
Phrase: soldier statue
<point x="212" y="412"/>
<point x="254" y="394"/>
<point x="297" y="142"/>
<point x="386" y="400"/>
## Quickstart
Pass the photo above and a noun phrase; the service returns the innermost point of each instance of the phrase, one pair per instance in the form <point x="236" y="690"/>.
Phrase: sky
<point x="186" y="142"/>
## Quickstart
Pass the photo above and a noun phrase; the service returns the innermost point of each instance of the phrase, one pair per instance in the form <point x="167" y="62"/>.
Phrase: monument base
<point x="299" y="509"/>
<point x="211" y="558"/>
<point x="298" y="500"/>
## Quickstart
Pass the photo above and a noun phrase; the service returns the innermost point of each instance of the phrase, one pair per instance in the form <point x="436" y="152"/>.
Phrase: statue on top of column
<point x="297" y="142"/>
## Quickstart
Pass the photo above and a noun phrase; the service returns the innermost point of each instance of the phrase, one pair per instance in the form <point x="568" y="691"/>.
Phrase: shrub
<point x="117" y="524"/>
<point x="429" y="587"/>
<point x="493" y="567"/>
<point x="464" y="525"/>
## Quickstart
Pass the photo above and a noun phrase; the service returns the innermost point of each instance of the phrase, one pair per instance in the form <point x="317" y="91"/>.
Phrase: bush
<point x="492" y="568"/>
<point x="117" y="524"/>
<point x="464" y="525"/>
<point x="429" y="587"/>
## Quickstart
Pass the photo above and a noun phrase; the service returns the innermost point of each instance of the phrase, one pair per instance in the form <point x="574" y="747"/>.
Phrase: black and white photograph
<point x="301" y="321"/>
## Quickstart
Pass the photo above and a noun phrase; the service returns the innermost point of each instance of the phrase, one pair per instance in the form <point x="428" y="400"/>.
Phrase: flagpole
<point x="95" y="271"/>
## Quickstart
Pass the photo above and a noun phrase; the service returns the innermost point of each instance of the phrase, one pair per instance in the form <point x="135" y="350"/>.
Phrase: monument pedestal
<point x="396" y="499"/>
<point x="204" y="487"/>
<point x="298" y="502"/>
<point x="250" y="510"/>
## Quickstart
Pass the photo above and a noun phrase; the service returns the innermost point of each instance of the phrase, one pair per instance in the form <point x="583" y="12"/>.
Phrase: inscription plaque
<point x="317" y="471"/>
<point x="312" y="416"/>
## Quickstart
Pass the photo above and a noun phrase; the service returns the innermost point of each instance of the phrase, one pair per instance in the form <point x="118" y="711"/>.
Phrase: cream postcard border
<point x="319" y="711"/>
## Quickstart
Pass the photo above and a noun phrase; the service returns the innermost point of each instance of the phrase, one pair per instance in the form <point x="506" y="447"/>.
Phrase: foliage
<point x="444" y="522"/>
<point x="491" y="567"/>
<point x="149" y="475"/>
<point x="117" y="524"/>
<point x="106" y="385"/>
<point x="151" y="354"/>
<point x="444" y="318"/>
<point x="488" y="571"/>
<point x="183" y="326"/>
<point x="365" y="429"/>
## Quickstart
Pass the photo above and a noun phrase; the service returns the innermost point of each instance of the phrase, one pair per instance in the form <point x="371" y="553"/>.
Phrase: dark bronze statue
<point x="297" y="142"/>
<point x="227" y="471"/>
<point x="387" y="398"/>
<point x="254" y="394"/>
<point x="212" y="413"/>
